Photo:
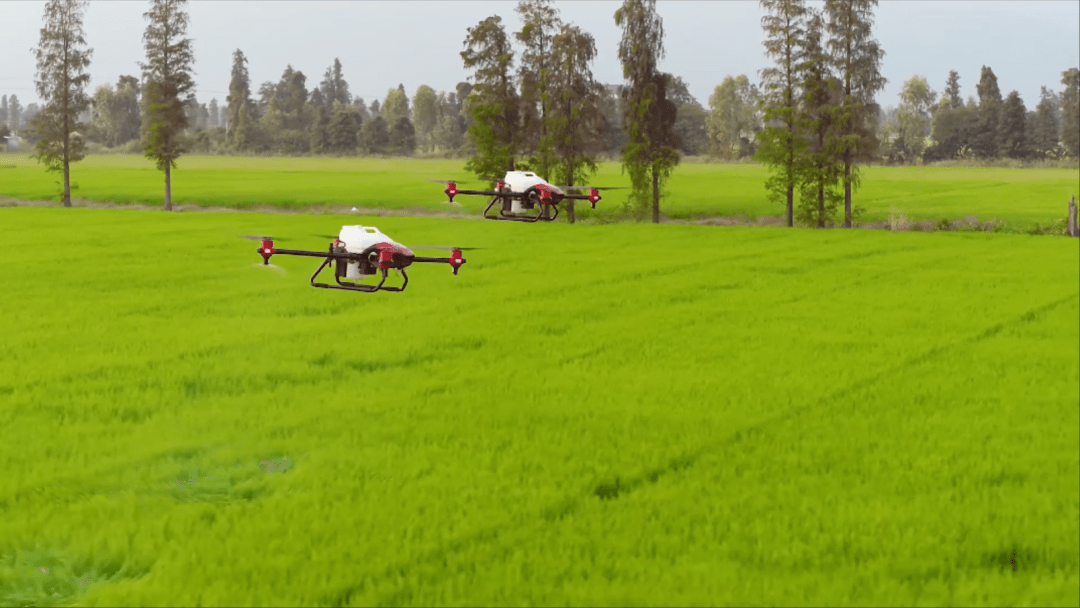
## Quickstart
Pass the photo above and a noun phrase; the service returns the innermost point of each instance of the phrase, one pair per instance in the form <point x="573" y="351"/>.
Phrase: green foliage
<point x="540" y="26"/>
<point x="425" y="115"/>
<point x="1013" y="135"/>
<point x="1045" y="127"/>
<point x="375" y="136"/>
<point x="985" y="141"/>
<point x="395" y="106"/>
<point x="403" y="137"/>
<point x="1070" y="111"/>
<point x="857" y="58"/>
<point x="780" y="141"/>
<point x="334" y="87"/>
<point x="575" y="120"/>
<point x="241" y="107"/>
<point x="168" y="86"/>
<point x="228" y="447"/>
<point x="62" y="58"/>
<point x="822" y="120"/>
<point x="733" y="122"/>
<point x="493" y="102"/>
<point x="344" y="127"/>
<point x="914" y="116"/>
<point x="651" y="154"/>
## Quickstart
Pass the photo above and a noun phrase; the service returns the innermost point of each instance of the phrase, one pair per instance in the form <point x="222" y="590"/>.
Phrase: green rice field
<point x="601" y="414"/>
<point x="1017" y="197"/>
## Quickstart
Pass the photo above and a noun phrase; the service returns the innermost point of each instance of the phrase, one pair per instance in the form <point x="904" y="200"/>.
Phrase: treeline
<point x="532" y="102"/>
<point x="925" y="128"/>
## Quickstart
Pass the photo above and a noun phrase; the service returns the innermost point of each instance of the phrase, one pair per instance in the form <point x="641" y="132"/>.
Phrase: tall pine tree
<point x="62" y="58"/>
<point x="494" y="103"/>
<point x="649" y="116"/>
<point x="857" y="57"/>
<point x="781" y="144"/>
<point x="169" y="86"/>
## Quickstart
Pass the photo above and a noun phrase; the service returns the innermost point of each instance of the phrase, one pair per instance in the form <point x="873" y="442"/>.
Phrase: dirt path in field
<point x="717" y="220"/>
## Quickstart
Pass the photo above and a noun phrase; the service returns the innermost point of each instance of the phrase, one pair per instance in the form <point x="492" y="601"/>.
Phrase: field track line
<point x="439" y="558"/>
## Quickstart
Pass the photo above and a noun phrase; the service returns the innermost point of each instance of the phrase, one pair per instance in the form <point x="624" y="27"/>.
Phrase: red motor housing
<point x="594" y="197"/>
<point x="266" y="250"/>
<point x="451" y="190"/>
<point x="456" y="260"/>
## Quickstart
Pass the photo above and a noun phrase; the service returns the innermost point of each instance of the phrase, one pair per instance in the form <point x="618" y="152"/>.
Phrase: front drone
<point x="361" y="252"/>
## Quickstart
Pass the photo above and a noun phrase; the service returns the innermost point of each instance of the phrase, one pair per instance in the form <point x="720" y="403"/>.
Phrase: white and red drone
<point x="360" y="252"/>
<point x="519" y="193"/>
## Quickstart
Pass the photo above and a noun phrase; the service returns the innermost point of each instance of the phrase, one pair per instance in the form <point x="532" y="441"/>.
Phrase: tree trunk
<point x="570" y="202"/>
<point x="791" y="207"/>
<point x="847" y="194"/>
<point x="1074" y="230"/>
<point x="821" y="205"/>
<point x="655" y="197"/>
<point x="67" y="182"/>
<point x="168" y="186"/>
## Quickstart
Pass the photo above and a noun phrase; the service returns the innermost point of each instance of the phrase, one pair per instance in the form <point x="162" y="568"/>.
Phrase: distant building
<point x="12" y="143"/>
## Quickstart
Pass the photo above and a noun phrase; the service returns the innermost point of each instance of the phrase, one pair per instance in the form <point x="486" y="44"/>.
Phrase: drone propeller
<point x="592" y="188"/>
<point x="254" y="237"/>
<point x="450" y="248"/>
<point x="332" y="237"/>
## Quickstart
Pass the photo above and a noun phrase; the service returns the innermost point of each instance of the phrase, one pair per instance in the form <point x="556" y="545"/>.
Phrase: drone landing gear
<point x="358" y="286"/>
<point x="547" y="213"/>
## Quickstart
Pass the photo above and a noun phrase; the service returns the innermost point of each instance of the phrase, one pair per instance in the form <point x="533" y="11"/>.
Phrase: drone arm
<point x="455" y="262"/>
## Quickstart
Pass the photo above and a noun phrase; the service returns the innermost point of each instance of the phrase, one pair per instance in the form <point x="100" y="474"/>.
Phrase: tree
<point x="540" y="25"/>
<point x="857" y="57"/>
<point x="376" y="135"/>
<point x="913" y="117"/>
<point x="403" y="137"/>
<point x="395" y="106"/>
<point x="61" y="82"/>
<point x="952" y="91"/>
<point x="575" y="121"/>
<point x="3" y="110"/>
<point x="781" y="143"/>
<point x="648" y="116"/>
<point x="320" y="128"/>
<point x="14" y="113"/>
<point x="292" y="95"/>
<point x="1070" y="111"/>
<point x="493" y="102"/>
<point x="334" y="88"/>
<point x="127" y="116"/>
<point x="820" y="166"/>
<point x="732" y="120"/>
<point x="1012" y="132"/>
<point x="169" y="86"/>
<point x="214" y="119"/>
<point x="690" y="119"/>
<point x="985" y="140"/>
<point x="344" y="126"/>
<point x="101" y="116"/>
<point x="1045" y="125"/>
<point x="425" y="114"/>
<point x="241" y="108"/>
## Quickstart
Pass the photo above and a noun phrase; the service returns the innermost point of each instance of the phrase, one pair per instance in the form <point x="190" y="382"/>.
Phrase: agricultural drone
<point x="520" y="192"/>
<point x="359" y="252"/>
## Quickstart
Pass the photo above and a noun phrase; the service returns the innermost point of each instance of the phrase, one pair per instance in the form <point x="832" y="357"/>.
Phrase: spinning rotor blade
<point x="592" y="188"/>
<point x="450" y="248"/>
<point x="253" y="237"/>
<point x="332" y="237"/>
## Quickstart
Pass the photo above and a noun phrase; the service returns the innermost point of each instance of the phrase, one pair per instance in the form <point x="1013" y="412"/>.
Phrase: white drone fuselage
<point x="520" y="181"/>
<point x="356" y="239"/>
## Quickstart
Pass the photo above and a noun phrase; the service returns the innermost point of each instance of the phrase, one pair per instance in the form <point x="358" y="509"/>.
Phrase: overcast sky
<point x="381" y="44"/>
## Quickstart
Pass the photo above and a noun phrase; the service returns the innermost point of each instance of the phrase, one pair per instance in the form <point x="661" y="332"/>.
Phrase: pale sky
<point x="1028" y="43"/>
